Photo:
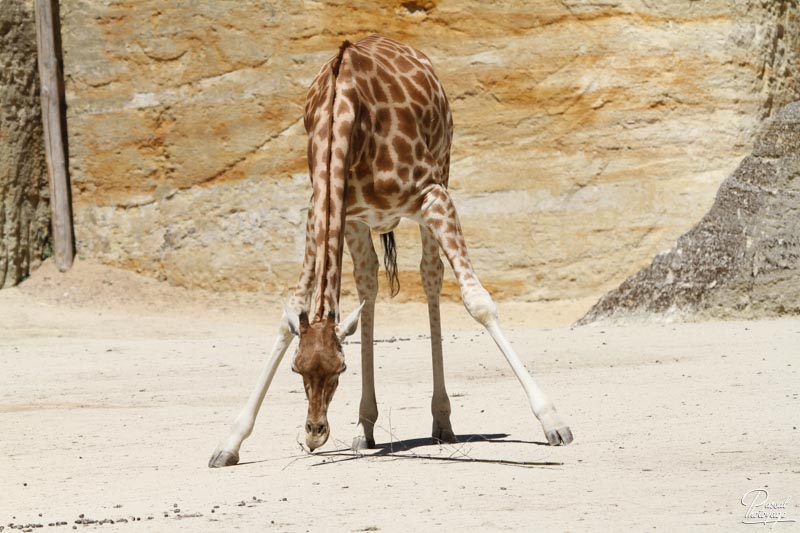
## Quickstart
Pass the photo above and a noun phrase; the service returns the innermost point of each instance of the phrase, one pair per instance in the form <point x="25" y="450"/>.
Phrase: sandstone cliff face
<point x="589" y="135"/>
<point x="24" y="208"/>
<point x="743" y="258"/>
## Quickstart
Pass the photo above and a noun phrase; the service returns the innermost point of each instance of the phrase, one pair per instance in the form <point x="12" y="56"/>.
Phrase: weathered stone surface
<point x="743" y="258"/>
<point x="589" y="135"/>
<point x="24" y="208"/>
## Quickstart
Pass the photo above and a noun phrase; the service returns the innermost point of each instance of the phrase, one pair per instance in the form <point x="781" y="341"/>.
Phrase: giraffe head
<point x="320" y="361"/>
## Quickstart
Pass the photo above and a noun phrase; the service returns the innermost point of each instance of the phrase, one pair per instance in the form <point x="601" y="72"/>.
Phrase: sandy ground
<point x="114" y="390"/>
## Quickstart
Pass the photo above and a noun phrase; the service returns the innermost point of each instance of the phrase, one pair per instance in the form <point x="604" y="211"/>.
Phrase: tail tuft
<point x="390" y="262"/>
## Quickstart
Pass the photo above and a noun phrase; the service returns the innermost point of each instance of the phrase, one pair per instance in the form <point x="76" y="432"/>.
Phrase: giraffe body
<point x="379" y="133"/>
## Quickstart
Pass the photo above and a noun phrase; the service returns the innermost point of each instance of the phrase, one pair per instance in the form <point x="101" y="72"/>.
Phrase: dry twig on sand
<point x="465" y="459"/>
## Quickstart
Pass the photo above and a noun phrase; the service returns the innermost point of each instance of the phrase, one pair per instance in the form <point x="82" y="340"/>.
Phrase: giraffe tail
<point x="390" y="262"/>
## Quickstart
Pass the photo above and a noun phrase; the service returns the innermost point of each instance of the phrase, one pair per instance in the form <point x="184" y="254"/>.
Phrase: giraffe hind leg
<point x="365" y="271"/>
<point x="432" y="271"/>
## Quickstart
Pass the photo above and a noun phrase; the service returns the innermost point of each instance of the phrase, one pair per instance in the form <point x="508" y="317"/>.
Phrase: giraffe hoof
<point x="223" y="458"/>
<point x="559" y="437"/>
<point x="362" y="443"/>
<point x="443" y="434"/>
<point x="556" y="431"/>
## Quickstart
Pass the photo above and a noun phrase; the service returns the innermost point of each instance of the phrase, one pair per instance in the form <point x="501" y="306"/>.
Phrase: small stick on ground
<point x="521" y="464"/>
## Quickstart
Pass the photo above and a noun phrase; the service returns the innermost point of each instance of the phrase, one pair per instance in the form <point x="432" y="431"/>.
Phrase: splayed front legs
<point x="439" y="215"/>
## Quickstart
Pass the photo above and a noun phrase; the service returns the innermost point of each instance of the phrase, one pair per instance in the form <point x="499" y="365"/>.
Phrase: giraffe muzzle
<point x="317" y="432"/>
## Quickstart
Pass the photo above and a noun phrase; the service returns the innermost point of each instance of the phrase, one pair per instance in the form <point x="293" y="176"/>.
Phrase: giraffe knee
<point x="480" y="305"/>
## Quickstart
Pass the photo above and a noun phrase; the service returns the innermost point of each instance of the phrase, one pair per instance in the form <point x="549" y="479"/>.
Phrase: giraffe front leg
<point x="227" y="452"/>
<point x="439" y="215"/>
<point x="432" y="270"/>
<point x="365" y="271"/>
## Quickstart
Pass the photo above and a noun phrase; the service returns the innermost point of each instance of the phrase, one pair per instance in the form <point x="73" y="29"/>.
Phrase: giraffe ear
<point x="297" y="323"/>
<point x="349" y="325"/>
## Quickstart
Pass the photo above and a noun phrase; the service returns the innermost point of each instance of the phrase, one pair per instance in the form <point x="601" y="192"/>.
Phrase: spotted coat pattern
<point x="379" y="133"/>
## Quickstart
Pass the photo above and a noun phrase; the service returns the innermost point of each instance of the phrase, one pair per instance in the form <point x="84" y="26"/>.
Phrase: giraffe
<point x="379" y="132"/>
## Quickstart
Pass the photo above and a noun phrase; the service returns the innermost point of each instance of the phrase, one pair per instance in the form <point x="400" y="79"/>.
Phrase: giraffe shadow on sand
<point x="473" y="438"/>
<point x="415" y="449"/>
<point x="460" y="451"/>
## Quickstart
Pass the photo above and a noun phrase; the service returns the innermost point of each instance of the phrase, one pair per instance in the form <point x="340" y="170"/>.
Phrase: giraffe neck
<point x="329" y="175"/>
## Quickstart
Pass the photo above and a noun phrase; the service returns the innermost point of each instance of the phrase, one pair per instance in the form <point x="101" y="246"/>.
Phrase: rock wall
<point x="589" y="135"/>
<point x="24" y="207"/>
<point x="743" y="258"/>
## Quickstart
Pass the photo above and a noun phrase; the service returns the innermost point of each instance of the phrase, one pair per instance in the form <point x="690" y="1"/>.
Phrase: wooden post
<point x="48" y="44"/>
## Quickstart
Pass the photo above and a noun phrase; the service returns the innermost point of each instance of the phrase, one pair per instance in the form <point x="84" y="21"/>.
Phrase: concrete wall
<point x="589" y="135"/>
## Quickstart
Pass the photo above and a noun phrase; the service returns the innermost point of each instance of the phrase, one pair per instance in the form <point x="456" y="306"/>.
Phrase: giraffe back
<point x="400" y="143"/>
